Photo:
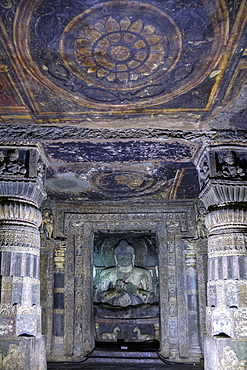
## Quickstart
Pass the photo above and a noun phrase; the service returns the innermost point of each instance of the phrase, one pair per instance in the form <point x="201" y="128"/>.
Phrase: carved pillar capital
<point x="22" y="174"/>
<point x="18" y="213"/>
<point x="223" y="175"/>
<point x="218" y="193"/>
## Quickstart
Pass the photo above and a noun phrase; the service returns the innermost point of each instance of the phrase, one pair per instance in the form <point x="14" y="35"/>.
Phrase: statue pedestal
<point x="132" y="324"/>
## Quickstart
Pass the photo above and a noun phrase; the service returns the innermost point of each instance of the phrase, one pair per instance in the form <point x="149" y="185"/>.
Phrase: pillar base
<point x="225" y="354"/>
<point x="23" y="353"/>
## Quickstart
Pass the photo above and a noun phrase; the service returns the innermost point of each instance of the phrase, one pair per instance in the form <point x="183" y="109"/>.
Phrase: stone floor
<point x="127" y="366"/>
<point x="115" y="359"/>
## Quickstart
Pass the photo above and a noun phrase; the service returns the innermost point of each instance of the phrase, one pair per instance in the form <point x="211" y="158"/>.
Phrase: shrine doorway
<point x="126" y="290"/>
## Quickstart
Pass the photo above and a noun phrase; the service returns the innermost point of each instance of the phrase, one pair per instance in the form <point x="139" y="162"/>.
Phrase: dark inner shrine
<point x="126" y="302"/>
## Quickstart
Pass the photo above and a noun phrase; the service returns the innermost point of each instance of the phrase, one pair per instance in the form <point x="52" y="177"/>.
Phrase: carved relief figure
<point x="230" y="166"/>
<point x="47" y="223"/>
<point x="200" y="225"/>
<point x="141" y="336"/>
<point x="204" y="171"/>
<point x="111" y="336"/>
<point x="125" y="284"/>
<point x="12" y="164"/>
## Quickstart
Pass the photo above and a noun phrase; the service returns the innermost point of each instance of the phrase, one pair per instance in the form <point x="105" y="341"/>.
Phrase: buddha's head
<point x="124" y="254"/>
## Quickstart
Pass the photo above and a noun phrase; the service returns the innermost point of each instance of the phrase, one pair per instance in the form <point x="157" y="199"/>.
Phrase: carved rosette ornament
<point x="120" y="54"/>
<point x="120" y="51"/>
<point x="224" y="194"/>
<point x="21" y="194"/>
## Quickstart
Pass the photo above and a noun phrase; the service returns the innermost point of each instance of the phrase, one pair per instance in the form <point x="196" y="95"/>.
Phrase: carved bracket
<point x="223" y="175"/>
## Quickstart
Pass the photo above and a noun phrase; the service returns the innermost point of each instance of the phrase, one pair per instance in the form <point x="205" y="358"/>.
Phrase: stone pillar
<point x="22" y="173"/>
<point x="192" y="296"/>
<point x="223" y="177"/>
<point x="58" y="300"/>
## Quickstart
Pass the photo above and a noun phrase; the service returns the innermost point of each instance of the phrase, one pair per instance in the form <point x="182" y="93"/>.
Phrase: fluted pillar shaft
<point x="224" y="193"/>
<point x="21" y="194"/>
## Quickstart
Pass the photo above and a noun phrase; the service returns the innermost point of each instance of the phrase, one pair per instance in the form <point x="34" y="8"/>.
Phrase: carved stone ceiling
<point x="111" y="89"/>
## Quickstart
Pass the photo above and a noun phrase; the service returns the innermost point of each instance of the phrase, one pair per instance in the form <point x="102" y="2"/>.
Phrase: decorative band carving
<point x="20" y="212"/>
<point x="27" y="280"/>
<point x="227" y="244"/>
<point x="21" y="249"/>
<point x="7" y="309"/>
<point x="29" y="191"/>
<point x="28" y="310"/>
<point x="220" y="193"/>
<point x="19" y="239"/>
<point x="226" y="218"/>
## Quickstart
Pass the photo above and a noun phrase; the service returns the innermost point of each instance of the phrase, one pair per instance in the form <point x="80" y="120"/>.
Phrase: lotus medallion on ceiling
<point x="119" y="51"/>
<point x="120" y="54"/>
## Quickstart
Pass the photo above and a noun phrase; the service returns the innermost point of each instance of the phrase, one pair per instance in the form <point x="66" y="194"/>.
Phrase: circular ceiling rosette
<point x="119" y="51"/>
<point x="124" y="183"/>
<point x="120" y="54"/>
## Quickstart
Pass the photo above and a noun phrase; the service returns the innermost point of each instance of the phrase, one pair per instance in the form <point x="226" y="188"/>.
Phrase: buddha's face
<point x="229" y="159"/>
<point x="124" y="259"/>
<point x="13" y="157"/>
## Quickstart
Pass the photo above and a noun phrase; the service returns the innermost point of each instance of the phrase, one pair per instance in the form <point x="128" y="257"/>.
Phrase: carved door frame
<point x="79" y="228"/>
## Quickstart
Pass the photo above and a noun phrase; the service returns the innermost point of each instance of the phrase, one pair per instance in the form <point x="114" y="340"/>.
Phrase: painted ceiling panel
<point x="117" y="92"/>
<point x="118" y="151"/>
<point x="73" y="60"/>
<point x="122" y="169"/>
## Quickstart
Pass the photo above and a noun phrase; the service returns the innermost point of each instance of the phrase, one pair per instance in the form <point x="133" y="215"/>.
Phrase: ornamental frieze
<point x="226" y="219"/>
<point x="17" y="239"/>
<point x="227" y="244"/>
<point x="20" y="212"/>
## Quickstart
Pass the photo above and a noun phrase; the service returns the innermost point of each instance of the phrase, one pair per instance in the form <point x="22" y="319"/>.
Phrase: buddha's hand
<point x="119" y="285"/>
<point x="131" y="288"/>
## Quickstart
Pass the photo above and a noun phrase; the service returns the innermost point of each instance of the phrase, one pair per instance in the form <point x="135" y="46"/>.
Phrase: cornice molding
<point x="23" y="134"/>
